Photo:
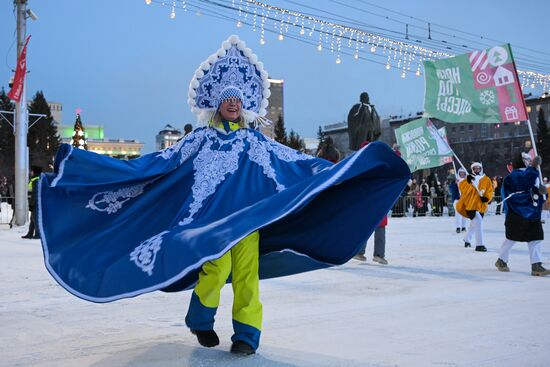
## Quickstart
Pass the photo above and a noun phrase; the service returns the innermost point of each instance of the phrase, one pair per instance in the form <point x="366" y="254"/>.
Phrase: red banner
<point x="17" y="88"/>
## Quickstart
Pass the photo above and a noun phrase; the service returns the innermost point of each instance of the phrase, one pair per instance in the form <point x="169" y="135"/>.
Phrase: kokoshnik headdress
<point x="231" y="69"/>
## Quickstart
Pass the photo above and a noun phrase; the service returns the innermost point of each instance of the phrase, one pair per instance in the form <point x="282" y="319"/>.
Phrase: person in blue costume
<point x="224" y="204"/>
<point x="524" y="195"/>
<point x="241" y="262"/>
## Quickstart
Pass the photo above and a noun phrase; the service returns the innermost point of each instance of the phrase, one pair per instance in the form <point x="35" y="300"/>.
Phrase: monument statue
<point x="363" y="123"/>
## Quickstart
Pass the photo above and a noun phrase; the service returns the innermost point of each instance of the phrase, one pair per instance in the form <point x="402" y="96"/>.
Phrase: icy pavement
<point x="435" y="304"/>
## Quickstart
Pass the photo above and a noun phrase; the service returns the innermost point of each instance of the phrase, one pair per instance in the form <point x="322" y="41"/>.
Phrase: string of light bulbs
<point x="526" y="58"/>
<point x="337" y="38"/>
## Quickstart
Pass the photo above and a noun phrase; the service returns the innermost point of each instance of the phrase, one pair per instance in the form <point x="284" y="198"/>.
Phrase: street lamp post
<point x="21" y="127"/>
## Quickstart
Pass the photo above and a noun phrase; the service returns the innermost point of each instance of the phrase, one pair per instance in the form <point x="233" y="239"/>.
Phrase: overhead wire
<point x="407" y="42"/>
<point x="537" y="63"/>
<point x="447" y="27"/>
<point x="519" y="55"/>
<point x="438" y="44"/>
<point x="211" y="13"/>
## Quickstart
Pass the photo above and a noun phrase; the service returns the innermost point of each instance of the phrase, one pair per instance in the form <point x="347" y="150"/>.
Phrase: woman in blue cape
<point x="524" y="195"/>
<point x="115" y="229"/>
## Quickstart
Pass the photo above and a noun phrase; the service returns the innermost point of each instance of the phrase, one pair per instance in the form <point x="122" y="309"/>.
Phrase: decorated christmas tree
<point x="79" y="138"/>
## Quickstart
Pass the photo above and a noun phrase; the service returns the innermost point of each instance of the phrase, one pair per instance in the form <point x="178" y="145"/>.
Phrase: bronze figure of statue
<point x="363" y="123"/>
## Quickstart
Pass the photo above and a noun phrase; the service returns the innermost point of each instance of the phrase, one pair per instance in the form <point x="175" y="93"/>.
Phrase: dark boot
<point x="27" y="236"/>
<point x="467" y="244"/>
<point x="501" y="265"/>
<point x="458" y="230"/>
<point x="481" y="249"/>
<point x="240" y="347"/>
<point x="538" y="270"/>
<point x="463" y="229"/>
<point x="207" y="338"/>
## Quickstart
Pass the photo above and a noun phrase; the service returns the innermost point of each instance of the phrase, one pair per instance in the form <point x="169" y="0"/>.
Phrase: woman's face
<point x="231" y="109"/>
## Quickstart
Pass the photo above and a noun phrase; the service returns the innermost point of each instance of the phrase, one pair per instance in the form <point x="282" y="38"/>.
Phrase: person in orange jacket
<point x="476" y="191"/>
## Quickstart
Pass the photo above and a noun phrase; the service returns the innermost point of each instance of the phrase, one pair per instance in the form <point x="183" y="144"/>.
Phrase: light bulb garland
<point x="262" y="28"/>
<point x="254" y="20"/>
<point x="339" y="38"/>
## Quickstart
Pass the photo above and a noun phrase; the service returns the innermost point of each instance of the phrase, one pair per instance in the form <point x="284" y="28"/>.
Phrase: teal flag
<point x="422" y="145"/>
<point x="480" y="86"/>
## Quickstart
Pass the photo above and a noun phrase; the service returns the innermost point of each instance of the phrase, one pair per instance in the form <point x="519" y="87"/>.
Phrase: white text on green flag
<point x="422" y="145"/>
<point x="480" y="86"/>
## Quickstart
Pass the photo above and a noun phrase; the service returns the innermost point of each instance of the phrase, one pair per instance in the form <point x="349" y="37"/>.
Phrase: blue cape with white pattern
<point x="526" y="200"/>
<point x="113" y="229"/>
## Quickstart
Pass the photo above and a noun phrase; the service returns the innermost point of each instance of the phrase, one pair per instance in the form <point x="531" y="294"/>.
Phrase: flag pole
<point x="459" y="162"/>
<point x="454" y="154"/>
<point x="458" y="159"/>
<point x="435" y="131"/>
<point x="454" y="167"/>
<point x="533" y="143"/>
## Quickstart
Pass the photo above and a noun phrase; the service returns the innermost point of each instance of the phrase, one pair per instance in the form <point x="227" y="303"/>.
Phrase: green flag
<point x="421" y="145"/>
<point x="481" y="86"/>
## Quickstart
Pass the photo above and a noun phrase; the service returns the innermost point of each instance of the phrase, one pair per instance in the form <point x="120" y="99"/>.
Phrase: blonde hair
<point x="217" y="119"/>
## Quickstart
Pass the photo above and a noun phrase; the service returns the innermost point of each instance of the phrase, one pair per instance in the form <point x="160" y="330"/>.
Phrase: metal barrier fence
<point x="438" y="206"/>
<point x="405" y="206"/>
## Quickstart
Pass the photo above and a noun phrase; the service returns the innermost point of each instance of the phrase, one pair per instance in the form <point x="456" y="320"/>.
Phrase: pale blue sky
<point x="128" y="65"/>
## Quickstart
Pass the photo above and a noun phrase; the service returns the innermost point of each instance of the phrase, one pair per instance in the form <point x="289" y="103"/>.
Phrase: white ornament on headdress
<point x="233" y="64"/>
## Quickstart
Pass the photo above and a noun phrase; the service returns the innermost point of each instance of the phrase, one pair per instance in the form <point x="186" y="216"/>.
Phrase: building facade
<point x="275" y="108"/>
<point x="492" y="144"/>
<point x="97" y="143"/>
<point x="56" y="109"/>
<point x="339" y="134"/>
<point x="117" y="148"/>
<point x="167" y="137"/>
<point x="95" y="137"/>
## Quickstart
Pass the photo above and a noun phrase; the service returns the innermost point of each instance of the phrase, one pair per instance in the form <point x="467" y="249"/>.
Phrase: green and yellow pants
<point x="242" y="263"/>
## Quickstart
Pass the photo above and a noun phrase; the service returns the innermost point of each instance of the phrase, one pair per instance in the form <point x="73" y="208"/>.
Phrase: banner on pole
<point x="20" y="72"/>
<point x="477" y="87"/>
<point x="422" y="145"/>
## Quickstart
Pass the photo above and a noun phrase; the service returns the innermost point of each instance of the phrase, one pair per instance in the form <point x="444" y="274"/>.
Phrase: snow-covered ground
<point x="435" y="304"/>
